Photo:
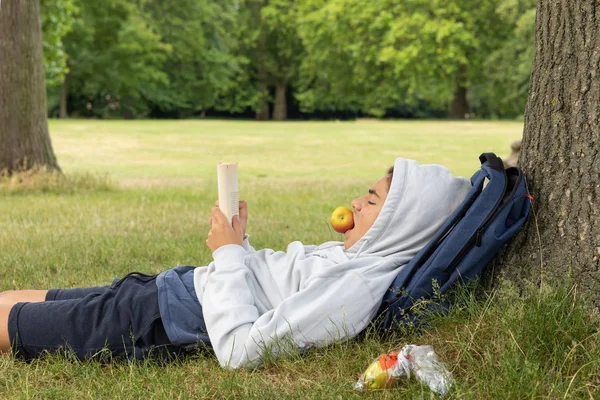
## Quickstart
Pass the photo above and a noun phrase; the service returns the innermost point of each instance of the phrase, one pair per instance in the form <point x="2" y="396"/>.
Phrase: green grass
<point x="187" y="151"/>
<point x="137" y="195"/>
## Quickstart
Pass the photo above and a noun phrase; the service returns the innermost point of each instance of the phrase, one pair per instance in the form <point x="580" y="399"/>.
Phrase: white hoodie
<point x="261" y="302"/>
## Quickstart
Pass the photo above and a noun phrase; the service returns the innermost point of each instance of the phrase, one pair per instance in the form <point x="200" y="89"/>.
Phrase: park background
<point x="135" y="192"/>
<point x="283" y="59"/>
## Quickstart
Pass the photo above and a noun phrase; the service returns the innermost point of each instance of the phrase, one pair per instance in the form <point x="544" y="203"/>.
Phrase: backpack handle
<point x="493" y="160"/>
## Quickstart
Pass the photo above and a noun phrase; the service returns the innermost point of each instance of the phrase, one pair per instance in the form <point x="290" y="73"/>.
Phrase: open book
<point x="227" y="180"/>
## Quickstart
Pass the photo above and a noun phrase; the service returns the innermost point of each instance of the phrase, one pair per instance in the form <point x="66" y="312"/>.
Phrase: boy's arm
<point x="326" y="309"/>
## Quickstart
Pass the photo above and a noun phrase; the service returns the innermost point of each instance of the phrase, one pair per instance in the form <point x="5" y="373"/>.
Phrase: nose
<point x="356" y="204"/>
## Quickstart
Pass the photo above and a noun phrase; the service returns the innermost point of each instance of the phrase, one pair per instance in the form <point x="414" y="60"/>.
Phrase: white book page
<point x="227" y="180"/>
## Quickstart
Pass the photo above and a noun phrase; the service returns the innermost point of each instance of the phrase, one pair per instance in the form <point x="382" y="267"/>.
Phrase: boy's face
<point x="366" y="209"/>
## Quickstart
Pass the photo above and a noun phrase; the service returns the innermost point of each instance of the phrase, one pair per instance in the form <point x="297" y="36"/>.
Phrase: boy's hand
<point x="243" y="215"/>
<point x="243" y="209"/>
<point x="221" y="232"/>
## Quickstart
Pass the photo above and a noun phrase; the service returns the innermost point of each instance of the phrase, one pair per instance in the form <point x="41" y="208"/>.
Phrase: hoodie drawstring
<point x="360" y="248"/>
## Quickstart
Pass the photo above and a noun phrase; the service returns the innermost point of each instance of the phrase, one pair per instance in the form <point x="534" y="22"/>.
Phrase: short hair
<point x="390" y="174"/>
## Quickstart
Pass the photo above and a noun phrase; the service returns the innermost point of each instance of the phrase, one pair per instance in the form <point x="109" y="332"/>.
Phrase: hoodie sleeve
<point x="247" y="244"/>
<point x="327" y="308"/>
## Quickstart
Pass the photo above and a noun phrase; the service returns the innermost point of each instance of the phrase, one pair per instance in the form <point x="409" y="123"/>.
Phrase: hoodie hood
<point x="420" y="200"/>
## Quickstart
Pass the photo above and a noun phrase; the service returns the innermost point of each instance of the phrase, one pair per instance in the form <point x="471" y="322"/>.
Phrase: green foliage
<point x="57" y="21"/>
<point x="342" y="68"/>
<point x="116" y="59"/>
<point x="270" y="49"/>
<point x="376" y="55"/>
<point x="508" y="68"/>
<point x="129" y="58"/>
<point x="285" y="50"/>
<point x="203" y="60"/>
<point x="183" y="59"/>
<point x="241" y="93"/>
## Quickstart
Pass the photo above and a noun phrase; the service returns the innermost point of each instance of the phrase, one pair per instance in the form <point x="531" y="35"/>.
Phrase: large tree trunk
<point x="560" y="150"/>
<point x="280" y="111"/>
<point x="24" y="137"/>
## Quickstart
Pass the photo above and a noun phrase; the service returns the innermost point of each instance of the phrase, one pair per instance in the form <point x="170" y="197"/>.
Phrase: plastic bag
<point x="411" y="360"/>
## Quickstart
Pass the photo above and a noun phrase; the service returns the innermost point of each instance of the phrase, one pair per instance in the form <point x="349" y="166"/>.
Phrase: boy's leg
<point x="4" y="338"/>
<point x="7" y="300"/>
<point x="11" y="297"/>
<point x="74" y="293"/>
<point x="125" y="320"/>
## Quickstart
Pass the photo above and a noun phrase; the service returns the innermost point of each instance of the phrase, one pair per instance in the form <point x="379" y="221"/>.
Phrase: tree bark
<point x="64" y="91"/>
<point x="25" y="141"/>
<point x="280" y="111"/>
<point x="459" y="102"/>
<point x="560" y="151"/>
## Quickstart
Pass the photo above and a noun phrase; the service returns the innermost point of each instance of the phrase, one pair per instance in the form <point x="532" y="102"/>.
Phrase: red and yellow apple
<point x="342" y="219"/>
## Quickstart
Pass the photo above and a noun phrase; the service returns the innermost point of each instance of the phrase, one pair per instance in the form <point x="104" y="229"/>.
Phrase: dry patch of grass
<point x="42" y="180"/>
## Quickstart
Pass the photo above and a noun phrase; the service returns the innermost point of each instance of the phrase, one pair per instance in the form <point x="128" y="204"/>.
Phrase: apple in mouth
<point x="342" y="219"/>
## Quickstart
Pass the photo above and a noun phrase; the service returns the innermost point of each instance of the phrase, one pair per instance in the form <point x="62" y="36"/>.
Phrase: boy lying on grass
<point x="246" y="303"/>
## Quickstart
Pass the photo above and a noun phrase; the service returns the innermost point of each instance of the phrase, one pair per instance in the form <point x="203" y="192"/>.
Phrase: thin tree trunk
<point x="24" y="137"/>
<point x="280" y="111"/>
<point x="459" y="102"/>
<point x="63" y="98"/>
<point x="262" y="107"/>
<point x="560" y="150"/>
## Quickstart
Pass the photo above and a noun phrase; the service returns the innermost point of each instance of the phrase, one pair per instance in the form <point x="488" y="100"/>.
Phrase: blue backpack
<point x="489" y="216"/>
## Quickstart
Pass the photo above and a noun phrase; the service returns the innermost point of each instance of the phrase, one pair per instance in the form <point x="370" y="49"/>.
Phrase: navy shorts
<point x="104" y="322"/>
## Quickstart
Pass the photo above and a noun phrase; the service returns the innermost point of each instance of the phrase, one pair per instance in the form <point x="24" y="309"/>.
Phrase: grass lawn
<point x="137" y="197"/>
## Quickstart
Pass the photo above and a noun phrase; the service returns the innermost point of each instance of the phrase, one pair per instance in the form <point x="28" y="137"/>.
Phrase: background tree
<point x="502" y="91"/>
<point x="342" y="69"/>
<point x="417" y="58"/>
<point x="378" y="55"/>
<point x="115" y="60"/>
<point x="242" y="95"/>
<point x="57" y="21"/>
<point x="271" y="52"/>
<point x="23" y="115"/>
<point x="560" y="151"/>
<point x="259" y="55"/>
<point x="202" y="60"/>
<point x="285" y="50"/>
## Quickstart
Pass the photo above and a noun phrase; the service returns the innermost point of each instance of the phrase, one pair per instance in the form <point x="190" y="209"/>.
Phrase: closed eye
<point x="371" y="203"/>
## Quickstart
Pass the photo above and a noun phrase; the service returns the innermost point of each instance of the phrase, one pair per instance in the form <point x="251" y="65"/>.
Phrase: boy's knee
<point x="7" y="296"/>
<point x="11" y="297"/>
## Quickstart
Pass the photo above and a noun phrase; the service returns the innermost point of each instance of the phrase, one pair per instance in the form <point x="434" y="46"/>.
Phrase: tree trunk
<point x="459" y="102"/>
<point x="560" y="151"/>
<point x="261" y="54"/>
<point x="23" y="112"/>
<point x="262" y="108"/>
<point x="280" y="111"/>
<point x="63" y="98"/>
